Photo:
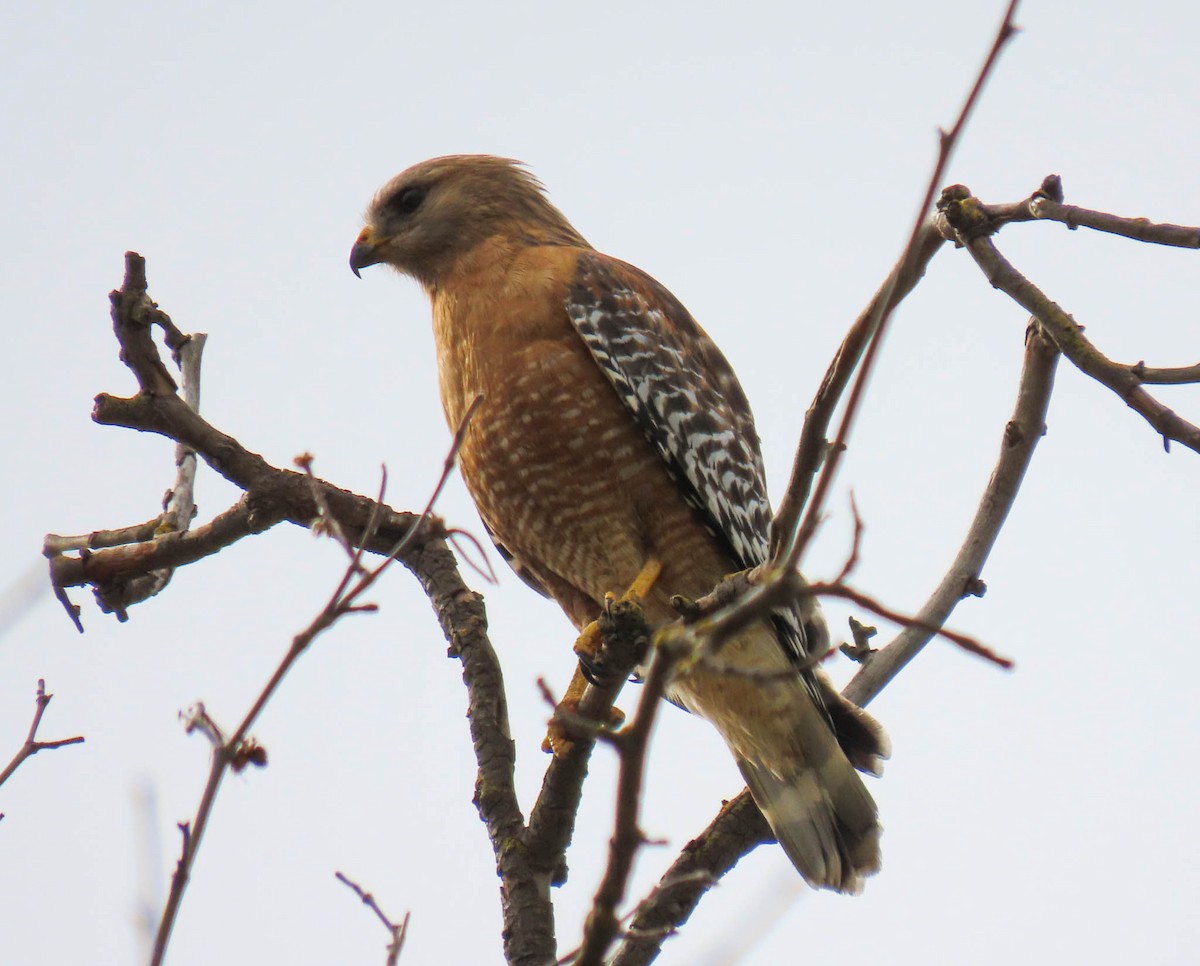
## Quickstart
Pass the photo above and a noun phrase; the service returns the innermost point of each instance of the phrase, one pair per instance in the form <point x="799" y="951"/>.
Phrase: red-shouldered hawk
<point x="614" y="449"/>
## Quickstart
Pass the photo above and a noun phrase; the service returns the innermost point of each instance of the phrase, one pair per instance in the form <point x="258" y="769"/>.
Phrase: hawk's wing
<point x="686" y="399"/>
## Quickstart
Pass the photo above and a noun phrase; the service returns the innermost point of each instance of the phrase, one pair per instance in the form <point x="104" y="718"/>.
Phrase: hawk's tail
<point x="824" y="818"/>
<point x="798" y="743"/>
<point x="811" y="794"/>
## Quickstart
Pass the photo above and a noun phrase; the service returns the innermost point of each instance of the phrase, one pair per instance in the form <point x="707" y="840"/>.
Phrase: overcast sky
<point x="764" y="161"/>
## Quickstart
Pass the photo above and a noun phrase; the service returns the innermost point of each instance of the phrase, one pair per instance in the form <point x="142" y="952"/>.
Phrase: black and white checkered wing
<point x="688" y="402"/>
<point x="682" y="392"/>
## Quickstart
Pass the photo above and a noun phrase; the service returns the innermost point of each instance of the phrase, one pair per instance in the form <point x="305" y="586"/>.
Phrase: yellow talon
<point x="587" y="646"/>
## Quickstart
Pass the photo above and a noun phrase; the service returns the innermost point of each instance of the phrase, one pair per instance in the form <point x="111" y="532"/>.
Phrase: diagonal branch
<point x="118" y="563"/>
<point x="239" y="749"/>
<point x="791" y="533"/>
<point x="273" y="495"/>
<point x="969" y="220"/>
<point x="1022" y="433"/>
<point x="398" y="930"/>
<point x="810" y="451"/>
<point x="740" y="827"/>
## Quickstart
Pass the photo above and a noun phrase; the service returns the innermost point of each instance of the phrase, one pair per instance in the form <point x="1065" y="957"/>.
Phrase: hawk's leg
<point x="590" y="668"/>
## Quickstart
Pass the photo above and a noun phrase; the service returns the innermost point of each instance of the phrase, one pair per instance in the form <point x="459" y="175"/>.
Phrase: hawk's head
<point x="426" y="218"/>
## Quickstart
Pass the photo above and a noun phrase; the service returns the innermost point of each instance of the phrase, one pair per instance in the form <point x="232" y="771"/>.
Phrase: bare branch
<point x="179" y="507"/>
<point x="133" y="314"/>
<point x="1046" y="204"/>
<point x="966" y="642"/>
<point x="602" y="922"/>
<point x="740" y="827"/>
<point x="527" y="912"/>
<point x="1021" y="435"/>
<point x="525" y="895"/>
<point x="624" y="636"/>
<point x="1139" y="229"/>
<point x="811" y="450"/>
<point x="118" y="563"/>
<point x="855" y="544"/>
<point x="482" y="566"/>
<point x="1179" y="376"/>
<point x="970" y="220"/>
<point x="99" y="539"/>
<point x="193" y="833"/>
<point x="239" y="749"/>
<point x="32" y="746"/>
<point x="789" y="537"/>
<point x="228" y="752"/>
<point x="398" y="930"/>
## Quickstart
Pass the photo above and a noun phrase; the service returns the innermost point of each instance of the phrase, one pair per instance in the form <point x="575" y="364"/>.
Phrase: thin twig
<point x="398" y="930"/>
<point x="855" y="543"/>
<point x="813" y="445"/>
<point x="794" y="540"/>
<point x="32" y="746"/>
<point x="965" y="641"/>
<point x="238" y="748"/>
<point x="223" y="755"/>
<point x="1069" y="337"/>
<point x="576" y="725"/>
<point x="326" y="522"/>
<point x="482" y="566"/>
<point x="113" y="560"/>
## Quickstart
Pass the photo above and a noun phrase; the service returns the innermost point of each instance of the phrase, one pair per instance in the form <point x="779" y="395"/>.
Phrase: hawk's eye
<point x="407" y="201"/>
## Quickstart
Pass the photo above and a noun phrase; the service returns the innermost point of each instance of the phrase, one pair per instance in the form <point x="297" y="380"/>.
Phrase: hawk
<point x="614" y="451"/>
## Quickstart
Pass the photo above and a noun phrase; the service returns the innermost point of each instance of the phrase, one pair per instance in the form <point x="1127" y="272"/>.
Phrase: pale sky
<point x="763" y="161"/>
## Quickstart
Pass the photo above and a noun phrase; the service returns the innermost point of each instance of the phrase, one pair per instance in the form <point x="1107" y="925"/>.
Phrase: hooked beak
<point x="365" y="251"/>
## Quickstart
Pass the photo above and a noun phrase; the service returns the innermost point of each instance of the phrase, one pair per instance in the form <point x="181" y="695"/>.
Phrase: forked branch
<point x="972" y="223"/>
<point x="32" y="745"/>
